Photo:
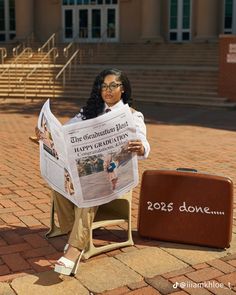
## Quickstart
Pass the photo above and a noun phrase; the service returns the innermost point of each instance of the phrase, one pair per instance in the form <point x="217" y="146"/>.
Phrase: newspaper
<point x="88" y="161"/>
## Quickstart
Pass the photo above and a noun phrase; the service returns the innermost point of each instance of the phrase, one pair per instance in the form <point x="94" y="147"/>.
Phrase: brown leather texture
<point x="186" y="207"/>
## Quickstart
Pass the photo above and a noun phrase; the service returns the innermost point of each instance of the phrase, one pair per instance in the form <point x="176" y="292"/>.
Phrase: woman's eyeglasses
<point x="113" y="86"/>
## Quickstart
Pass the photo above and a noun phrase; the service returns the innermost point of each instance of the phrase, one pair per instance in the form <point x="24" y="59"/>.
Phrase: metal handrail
<point x="63" y="71"/>
<point x="51" y="39"/>
<point x="16" y="49"/>
<point x="53" y="51"/>
<point x="67" y="48"/>
<point x="14" y="62"/>
<point x="26" y="42"/>
<point x="3" y="52"/>
<point x="68" y="64"/>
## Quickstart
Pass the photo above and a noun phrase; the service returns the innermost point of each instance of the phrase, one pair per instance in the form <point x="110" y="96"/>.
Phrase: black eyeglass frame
<point x="104" y="87"/>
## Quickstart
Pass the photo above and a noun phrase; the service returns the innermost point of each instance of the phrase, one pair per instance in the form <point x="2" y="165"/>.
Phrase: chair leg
<point x="93" y="250"/>
<point x="54" y="229"/>
<point x="130" y="238"/>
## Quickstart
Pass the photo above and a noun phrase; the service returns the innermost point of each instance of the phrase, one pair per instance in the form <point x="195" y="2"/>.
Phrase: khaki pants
<point x="77" y="221"/>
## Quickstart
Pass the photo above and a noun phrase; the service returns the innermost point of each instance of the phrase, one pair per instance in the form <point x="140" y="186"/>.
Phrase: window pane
<point x="173" y="23"/>
<point x="96" y="23"/>
<point x="79" y="2"/>
<point x="185" y="36"/>
<point x="68" y="24"/>
<point x="12" y="36"/>
<point x="228" y="22"/>
<point x="173" y="36"/>
<point x="12" y="15"/>
<point x="83" y="23"/>
<point x="186" y="9"/>
<point x="186" y="14"/>
<point x="173" y="14"/>
<point x="111" y="23"/>
<point x="228" y="14"/>
<point x="186" y="23"/>
<point x="2" y="17"/>
<point x="2" y="37"/>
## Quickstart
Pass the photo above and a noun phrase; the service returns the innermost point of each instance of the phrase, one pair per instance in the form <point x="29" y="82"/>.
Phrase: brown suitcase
<point x="185" y="206"/>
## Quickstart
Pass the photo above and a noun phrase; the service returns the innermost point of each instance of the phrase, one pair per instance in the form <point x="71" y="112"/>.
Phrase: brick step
<point x="83" y="93"/>
<point x="196" y="102"/>
<point x="173" y="100"/>
<point x="149" y="79"/>
<point x="153" y="97"/>
<point x="176" y="95"/>
<point x="202" y="53"/>
<point x="170" y="100"/>
<point x="79" y="92"/>
<point x="153" y="87"/>
<point x="156" y="81"/>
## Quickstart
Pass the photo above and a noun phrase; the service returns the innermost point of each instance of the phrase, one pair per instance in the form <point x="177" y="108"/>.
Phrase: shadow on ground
<point x="155" y="113"/>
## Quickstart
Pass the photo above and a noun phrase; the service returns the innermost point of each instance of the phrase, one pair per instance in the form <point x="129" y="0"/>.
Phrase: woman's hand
<point x="38" y="133"/>
<point x="136" y="146"/>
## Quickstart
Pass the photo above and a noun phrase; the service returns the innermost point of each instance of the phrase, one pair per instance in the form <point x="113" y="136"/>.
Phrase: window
<point x="111" y="23"/>
<point x="88" y="2"/>
<point x="83" y="23"/>
<point x="186" y="10"/>
<point x="12" y="15"/>
<point x="173" y="14"/>
<point x="228" y="19"/>
<point x="180" y="20"/>
<point x="90" y="20"/>
<point x="68" y="24"/>
<point x="96" y="23"/>
<point x="7" y="20"/>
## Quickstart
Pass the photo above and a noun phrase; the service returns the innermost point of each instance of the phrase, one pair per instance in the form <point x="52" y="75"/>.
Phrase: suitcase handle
<point x="186" y="170"/>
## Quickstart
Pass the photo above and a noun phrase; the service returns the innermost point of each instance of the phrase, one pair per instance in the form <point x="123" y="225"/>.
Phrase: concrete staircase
<point x="159" y="73"/>
<point x="14" y="82"/>
<point x="152" y="54"/>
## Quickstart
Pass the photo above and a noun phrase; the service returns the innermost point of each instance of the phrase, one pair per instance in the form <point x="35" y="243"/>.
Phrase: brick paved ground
<point x="200" y="138"/>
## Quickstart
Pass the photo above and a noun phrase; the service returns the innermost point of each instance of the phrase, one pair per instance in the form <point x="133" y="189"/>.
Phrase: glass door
<point x="230" y="17"/>
<point x="180" y="20"/>
<point x="97" y="24"/>
<point x="90" y="20"/>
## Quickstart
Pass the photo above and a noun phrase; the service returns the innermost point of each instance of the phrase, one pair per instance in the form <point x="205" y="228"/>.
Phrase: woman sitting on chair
<point x="111" y="90"/>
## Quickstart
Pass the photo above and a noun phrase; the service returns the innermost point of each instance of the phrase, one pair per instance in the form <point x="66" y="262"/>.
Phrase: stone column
<point x="206" y="21"/>
<point x="151" y="21"/>
<point x="24" y="10"/>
